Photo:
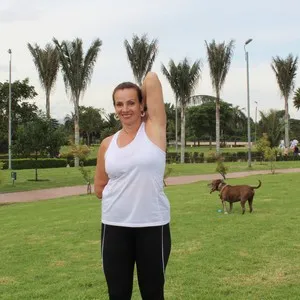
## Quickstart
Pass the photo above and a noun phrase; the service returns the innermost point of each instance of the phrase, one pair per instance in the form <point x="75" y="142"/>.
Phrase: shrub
<point x="42" y="163"/>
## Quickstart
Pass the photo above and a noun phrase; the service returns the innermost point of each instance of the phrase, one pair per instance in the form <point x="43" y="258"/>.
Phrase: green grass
<point x="209" y="168"/>
<point x="49" y="178"/>
<point x="51" y="249"/>
<point x="204" y="149"/>
<point x="59" y="177"/>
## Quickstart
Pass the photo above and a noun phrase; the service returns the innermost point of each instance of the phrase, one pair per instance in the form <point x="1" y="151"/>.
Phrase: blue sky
<point x="181" y="28"/>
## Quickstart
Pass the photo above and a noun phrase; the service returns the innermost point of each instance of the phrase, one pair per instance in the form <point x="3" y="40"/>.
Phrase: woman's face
<point x="127" y="106"/>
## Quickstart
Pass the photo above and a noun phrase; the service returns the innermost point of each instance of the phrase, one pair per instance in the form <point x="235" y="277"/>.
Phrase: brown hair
<point x="128" y="85"/>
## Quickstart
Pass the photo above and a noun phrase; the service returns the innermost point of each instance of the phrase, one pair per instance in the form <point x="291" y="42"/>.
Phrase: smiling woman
<point x="129" y="180"/>
<point x="128" y="110"/>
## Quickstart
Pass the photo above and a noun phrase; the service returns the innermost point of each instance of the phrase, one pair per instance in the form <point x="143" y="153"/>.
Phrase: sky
<point x="181" y="27"/>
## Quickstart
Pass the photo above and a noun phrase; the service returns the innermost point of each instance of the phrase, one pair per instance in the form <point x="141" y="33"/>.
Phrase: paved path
<point x="45" y="194"/>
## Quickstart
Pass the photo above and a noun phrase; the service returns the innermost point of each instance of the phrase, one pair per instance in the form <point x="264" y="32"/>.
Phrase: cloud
<point x="19" y="11"/>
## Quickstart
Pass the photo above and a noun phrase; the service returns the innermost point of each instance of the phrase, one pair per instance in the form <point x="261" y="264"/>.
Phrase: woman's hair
<point x="128" y="85"/>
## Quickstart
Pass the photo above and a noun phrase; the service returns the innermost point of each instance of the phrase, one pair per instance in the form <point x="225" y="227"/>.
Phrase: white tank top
<point x="134" y="195"/>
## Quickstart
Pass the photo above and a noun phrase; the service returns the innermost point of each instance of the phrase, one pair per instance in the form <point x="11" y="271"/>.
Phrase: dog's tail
<point x="259" y="185"/>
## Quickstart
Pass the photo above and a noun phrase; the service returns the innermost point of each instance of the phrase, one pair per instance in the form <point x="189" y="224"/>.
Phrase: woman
<point x="129" y="180"/>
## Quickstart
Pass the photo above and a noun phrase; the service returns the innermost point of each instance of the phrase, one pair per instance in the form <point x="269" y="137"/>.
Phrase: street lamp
<point x="9" y="112"/>
<point x="248" y="104"/>
<point x="255" y="121"/>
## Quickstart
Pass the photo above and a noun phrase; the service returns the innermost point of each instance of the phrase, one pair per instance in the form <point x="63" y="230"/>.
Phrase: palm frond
<point x="296" y="99"/>
<point x="219" y="60"/>
<point x="285" y="71"/>
<point x="183" y="78"/>
<point x="141" y="55"/>
<point x="47" y="64"/>
<point x="77" y="69"/>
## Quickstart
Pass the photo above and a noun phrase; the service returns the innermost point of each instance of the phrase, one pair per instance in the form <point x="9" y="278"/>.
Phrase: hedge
<point x="19" y="164"/>
<point x="172" y="157"/>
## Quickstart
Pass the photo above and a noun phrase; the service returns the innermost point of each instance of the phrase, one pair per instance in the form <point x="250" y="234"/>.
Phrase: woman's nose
<point x="125" y="107"/>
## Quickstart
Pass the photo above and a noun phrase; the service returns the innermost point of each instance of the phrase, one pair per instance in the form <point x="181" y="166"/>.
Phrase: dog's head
<point x="216" y="185"/>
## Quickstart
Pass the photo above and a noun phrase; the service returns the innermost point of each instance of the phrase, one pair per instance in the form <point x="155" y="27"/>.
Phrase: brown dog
<point x="234" y="193"/>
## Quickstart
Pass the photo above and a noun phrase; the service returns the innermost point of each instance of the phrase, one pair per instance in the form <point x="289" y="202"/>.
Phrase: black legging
<point x="148" y="247"/>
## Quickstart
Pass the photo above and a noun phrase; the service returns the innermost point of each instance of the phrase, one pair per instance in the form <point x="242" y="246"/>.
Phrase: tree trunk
<point x="182" y="133"/>
<point x="48" y="104"/>
<point x="88" y="138"/>
<point x="76" y="129"/>
<point x="218" y="123"/>
<point x="176" y="126"/>
<point x="36" y="171"/>
<point x="286" y="124"/>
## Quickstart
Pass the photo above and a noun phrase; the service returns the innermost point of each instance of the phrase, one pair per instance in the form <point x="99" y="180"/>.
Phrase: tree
<point x="219" y="59"/>
<point x="91" y="121"/>
<point x="23" y="111"/>
<point x="38" y="137"/>
<point x="285" y="71"/>
<point x="170" y="112"/>
<point x="183" y="79"/>
<point x="202" y="123"/>
<point x="110" y="126"/>
<point x="197" y="122"/>
<point x="264" y="146"/>
<point x="1" y="173"/>
<point x="295" y="129"/>
<point x="77" y="72"/>
<point x="57" y="136"/>
<point x="297" y="99"/>
<point x="47" y="64"/>
<point x="238" y="123"/>
<point x="272" y="124"/>
<point x="141" y="55"/>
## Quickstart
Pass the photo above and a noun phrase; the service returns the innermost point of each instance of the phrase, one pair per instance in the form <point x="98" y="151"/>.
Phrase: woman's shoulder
<point x="105" y="144"/>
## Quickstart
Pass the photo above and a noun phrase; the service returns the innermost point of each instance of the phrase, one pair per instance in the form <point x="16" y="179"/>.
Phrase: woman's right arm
<point x="101" y="178"/>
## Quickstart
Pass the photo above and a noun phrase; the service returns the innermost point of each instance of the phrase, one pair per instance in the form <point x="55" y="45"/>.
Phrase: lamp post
<point x="255" y="121"/>
<point x="9" y="112"/>
<point x="248" y="104"/>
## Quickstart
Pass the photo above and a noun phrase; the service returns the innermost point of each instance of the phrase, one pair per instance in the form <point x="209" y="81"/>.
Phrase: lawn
<point x="51" y="250"/>
<point x="59" y="177"/>
<point x="204" y="149"/>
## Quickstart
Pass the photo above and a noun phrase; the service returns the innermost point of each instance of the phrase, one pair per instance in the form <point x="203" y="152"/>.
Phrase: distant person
<point x="296" y="151"/>
<point x="129" y="180"/>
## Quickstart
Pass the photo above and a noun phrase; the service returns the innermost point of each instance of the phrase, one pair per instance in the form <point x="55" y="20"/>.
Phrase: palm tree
<point x="297" y="99"/>
<point x="183" y="79"/>
<point x="47" y="64"/>
<point x="171" y="75"/>
<point x="285" y="71"/>
<point x="272" y="123"/>
<point x="77" y="72"/>
<point x="141" y="55"/>
<point x="219" y="59"/>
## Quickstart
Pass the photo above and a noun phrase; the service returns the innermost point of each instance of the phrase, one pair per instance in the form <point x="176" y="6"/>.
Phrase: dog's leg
<point x="243" y="206"/>
<point x="231" y="206"/>
<point x="250" y="201"/>
<point x="224" y="207"/>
